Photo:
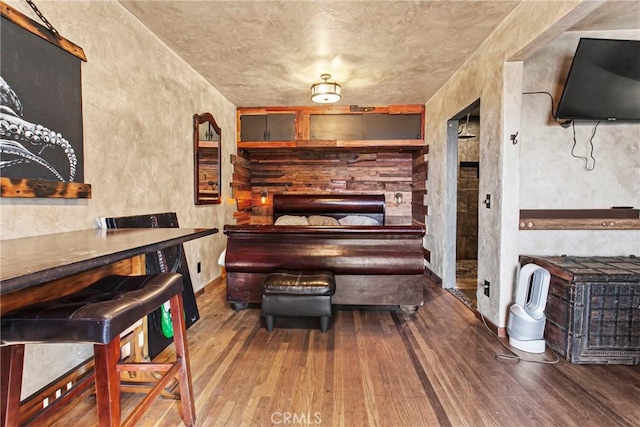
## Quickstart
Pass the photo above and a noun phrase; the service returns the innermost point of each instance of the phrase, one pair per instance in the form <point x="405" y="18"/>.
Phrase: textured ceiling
<point x="260" y="53"/>
<point x="613" y="15"/>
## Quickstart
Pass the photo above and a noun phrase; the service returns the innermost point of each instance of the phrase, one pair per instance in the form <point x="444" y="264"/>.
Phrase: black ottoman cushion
<point x="287" y="282"/>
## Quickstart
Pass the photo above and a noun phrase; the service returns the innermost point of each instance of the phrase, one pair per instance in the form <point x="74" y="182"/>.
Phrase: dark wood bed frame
<point x="373" y="265"/>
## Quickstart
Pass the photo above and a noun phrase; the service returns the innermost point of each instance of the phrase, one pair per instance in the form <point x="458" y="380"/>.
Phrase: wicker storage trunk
<point x="593" y="308"/>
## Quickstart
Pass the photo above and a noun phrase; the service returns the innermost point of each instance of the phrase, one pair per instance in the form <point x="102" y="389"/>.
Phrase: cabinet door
<point x="336" y="126"/>
<point x="392" y="126"/>
<point x="253" y="127"/>
<point x="281" y="127"/>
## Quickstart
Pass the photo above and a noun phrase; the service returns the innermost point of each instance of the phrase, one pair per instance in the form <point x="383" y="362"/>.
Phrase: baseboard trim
<point x="500" y="332"/>
<point x="215" y="282"/>
<point x="432" y="277"/>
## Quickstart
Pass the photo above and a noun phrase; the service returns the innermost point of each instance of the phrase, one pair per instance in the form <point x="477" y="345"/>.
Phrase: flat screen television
<point x="603" y="82"/>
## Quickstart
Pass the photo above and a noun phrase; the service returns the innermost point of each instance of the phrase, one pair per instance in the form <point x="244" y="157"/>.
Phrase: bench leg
<point x="268" y="322"/>
<point x="324" y="323"/>
<point x="12" y="364"/>
<point x="106" y="358"/>
<point x="182" y="353"/>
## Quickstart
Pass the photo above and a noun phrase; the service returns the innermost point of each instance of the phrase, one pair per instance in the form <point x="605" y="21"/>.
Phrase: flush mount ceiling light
<point x="466" y="134"/>
<point x="325" y="92"/>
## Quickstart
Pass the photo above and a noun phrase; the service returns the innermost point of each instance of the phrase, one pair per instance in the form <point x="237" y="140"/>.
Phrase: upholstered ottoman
<point x="298" y="293"/>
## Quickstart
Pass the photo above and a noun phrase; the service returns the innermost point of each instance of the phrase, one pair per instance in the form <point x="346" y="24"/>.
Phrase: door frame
<point x="451" y="196"/>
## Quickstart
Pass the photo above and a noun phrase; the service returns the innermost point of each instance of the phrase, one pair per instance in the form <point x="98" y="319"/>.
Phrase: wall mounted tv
<point x="603" y="82"/>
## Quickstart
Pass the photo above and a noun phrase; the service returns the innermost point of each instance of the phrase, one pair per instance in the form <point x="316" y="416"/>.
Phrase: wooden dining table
<point x="40" y="268"/>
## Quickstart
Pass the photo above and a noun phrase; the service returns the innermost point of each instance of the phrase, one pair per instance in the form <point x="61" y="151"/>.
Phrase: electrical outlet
<point x="487" y="287"/>
<point x="199" y="267"/>
<point x="487" y="201"/>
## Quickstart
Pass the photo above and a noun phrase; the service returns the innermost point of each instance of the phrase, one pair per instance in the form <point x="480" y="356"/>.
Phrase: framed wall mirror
<point x="207" y="159"/>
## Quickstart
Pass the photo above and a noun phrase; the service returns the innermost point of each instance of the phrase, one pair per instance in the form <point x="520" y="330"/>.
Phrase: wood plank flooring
<point x="379" y="367"/>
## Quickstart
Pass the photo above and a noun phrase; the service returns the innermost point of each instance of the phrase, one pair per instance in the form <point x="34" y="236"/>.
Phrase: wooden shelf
<point x="336" y="109"/>
<point x="266" y="145"/>
<point x="580" y="219"/>
<point x="411" y="144"/>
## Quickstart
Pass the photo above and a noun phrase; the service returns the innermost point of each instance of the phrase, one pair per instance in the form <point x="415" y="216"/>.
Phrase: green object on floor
<point x="165" y="322"/>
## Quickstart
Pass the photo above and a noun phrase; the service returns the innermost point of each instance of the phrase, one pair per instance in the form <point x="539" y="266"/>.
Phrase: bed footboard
<point x="373" y="265"/>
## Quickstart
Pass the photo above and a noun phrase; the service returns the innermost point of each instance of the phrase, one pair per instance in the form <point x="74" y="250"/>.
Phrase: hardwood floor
<point x="379" y="367"/>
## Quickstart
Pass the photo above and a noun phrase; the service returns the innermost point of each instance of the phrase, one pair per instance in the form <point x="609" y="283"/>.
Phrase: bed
<point x="374" y="263"/>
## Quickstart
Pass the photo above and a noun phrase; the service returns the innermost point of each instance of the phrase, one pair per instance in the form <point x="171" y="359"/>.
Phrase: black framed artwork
<point x="41" y="124"/>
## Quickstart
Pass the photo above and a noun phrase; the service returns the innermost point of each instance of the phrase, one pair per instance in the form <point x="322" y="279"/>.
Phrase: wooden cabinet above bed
<point x="267" y="127"/>
<point x="345" y="127"/>
<point x="334" y="150"/>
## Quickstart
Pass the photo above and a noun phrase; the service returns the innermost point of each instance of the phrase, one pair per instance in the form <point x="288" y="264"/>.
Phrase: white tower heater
<point x="526" y="317"/>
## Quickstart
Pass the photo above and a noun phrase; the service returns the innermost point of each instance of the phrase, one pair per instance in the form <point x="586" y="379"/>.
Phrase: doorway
<point x="463" y="151"/>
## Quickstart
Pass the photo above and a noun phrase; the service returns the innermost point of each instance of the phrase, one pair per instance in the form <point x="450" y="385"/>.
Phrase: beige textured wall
<point x="497" y="83"/>
<point x="551" y="178"/>
<point x="138" y="104"/>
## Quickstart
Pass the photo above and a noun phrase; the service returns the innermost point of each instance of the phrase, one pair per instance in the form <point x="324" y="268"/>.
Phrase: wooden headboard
<point x="334" y="205"/>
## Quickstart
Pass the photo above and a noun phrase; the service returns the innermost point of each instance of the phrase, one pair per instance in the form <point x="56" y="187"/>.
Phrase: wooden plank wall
<point x="241" y="186"/>
<point x="420" y="175"/>
<point x="323" y="171"/>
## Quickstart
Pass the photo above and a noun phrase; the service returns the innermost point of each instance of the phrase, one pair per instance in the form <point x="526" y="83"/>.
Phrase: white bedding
<point x="320" y="220"/>
<point x="292" y="220"/>
<point x="358" y="220"/>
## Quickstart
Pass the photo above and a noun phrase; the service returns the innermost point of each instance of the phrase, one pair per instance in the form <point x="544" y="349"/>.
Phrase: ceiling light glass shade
<point x="325" y="92"/>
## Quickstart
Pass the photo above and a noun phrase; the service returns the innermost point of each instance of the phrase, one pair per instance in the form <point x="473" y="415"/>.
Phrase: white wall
<point x="551" y="178"/>
<point x="139" y="99"/>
